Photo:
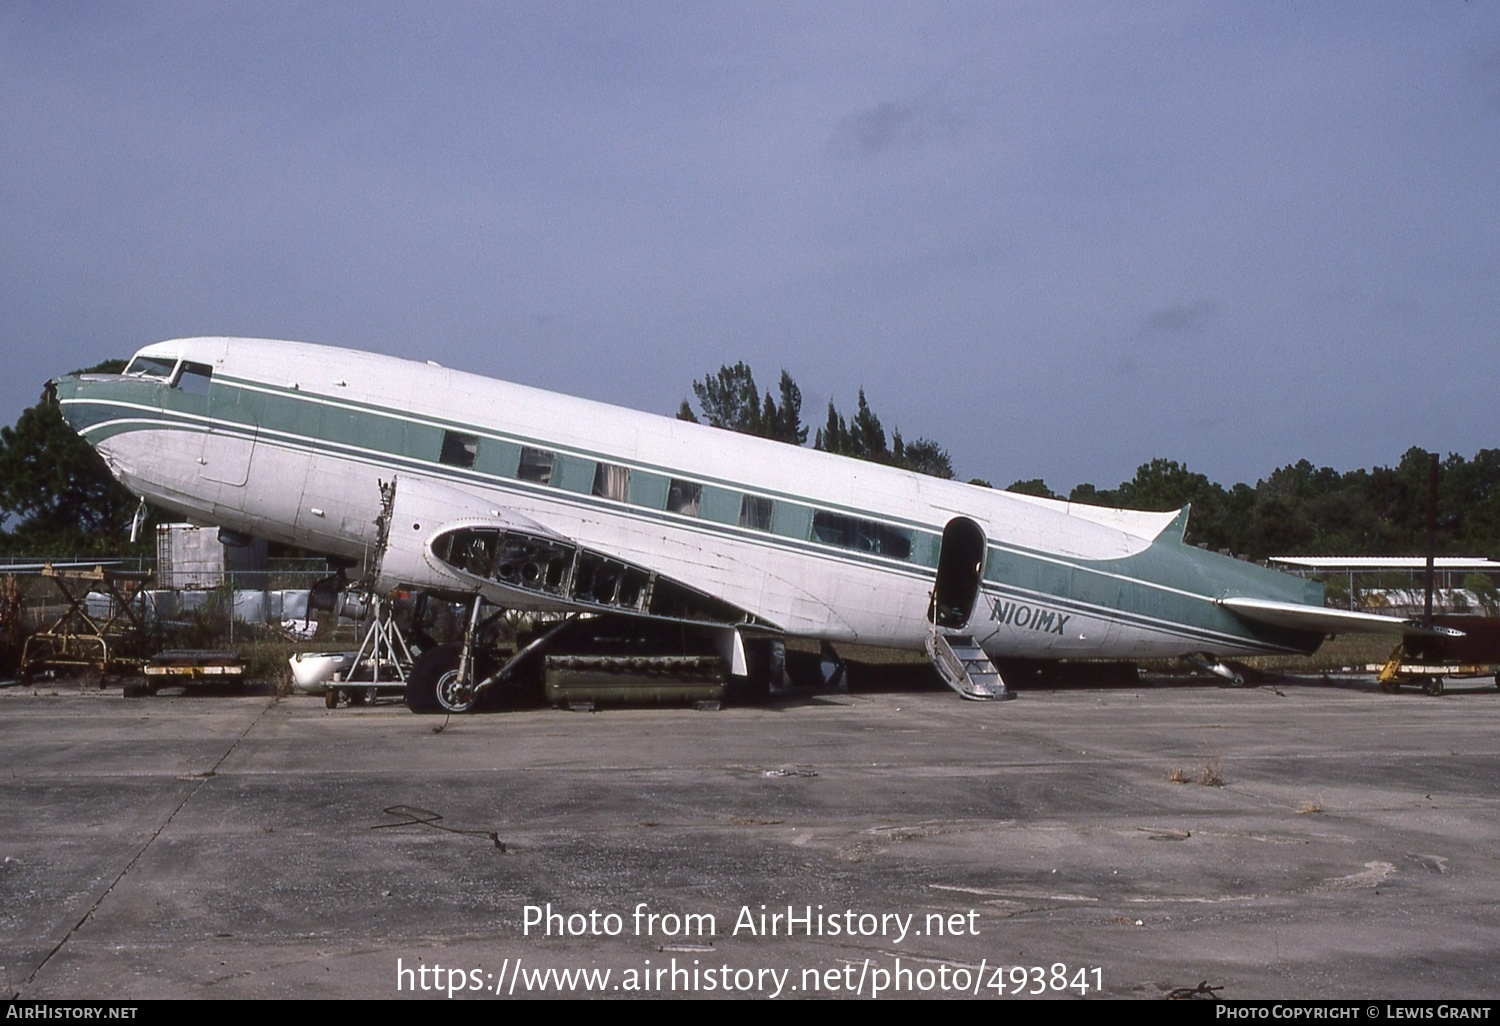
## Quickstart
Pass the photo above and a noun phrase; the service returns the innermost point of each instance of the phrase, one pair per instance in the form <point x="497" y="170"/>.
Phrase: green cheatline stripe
<point x="1125" y="618"/>
<point x="455" y="475"/>
<point x="253" y="418"/>
<point x="484" y="431"/>
<point x="174" y="420"/>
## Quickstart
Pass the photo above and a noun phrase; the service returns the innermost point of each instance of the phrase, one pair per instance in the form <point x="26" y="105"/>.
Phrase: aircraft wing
<point x="1329" y="621"/>
<point x="454" y="542"/>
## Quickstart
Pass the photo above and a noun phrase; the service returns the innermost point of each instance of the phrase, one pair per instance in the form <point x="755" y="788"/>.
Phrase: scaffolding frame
<point x="74" y="638"/>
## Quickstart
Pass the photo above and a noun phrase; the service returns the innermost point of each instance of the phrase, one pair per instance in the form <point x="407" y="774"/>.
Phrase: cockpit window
<point x="194" y="378"/>
<point x="150" y="367"/>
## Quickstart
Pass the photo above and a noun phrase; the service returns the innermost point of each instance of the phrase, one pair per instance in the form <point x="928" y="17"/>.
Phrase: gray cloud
<point x="891" y="125"/>
<point x="1181" y="319"/>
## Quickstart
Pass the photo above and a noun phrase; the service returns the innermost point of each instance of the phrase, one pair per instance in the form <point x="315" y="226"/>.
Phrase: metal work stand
<point x="76" y="639"/>
<point x="383" y="654"/>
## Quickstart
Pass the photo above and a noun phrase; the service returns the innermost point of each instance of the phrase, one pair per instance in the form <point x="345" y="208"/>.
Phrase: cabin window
<point x="648" y="489"/>
<point x="536" y="465"/>
<point x="861" y="535"/>
<point x="611" y="481"/>
<point x="685" y="497"/>
<point x="832" y="529"/>
<point x="792" y="520"/>
<point x="756" y="512"/>
<point x="151" y="367"/>
<point x="459" y="449"/>
<point x="194" y="378"/>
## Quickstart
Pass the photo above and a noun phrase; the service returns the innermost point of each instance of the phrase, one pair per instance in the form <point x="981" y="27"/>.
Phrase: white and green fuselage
<point x="291" y="442"/>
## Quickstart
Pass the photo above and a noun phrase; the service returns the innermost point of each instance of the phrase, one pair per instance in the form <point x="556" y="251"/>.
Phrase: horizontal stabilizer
<point x="1328" y="621"/>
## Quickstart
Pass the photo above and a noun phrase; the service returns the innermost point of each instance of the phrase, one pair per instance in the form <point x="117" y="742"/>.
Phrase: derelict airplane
<point x="518" y="498"/>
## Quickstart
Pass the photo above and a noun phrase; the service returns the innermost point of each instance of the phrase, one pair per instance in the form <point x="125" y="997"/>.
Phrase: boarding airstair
<point x="964" y="667"/>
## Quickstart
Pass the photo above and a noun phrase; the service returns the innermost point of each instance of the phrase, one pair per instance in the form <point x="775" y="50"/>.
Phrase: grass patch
<point x="1346" y="650"/>
<point x="1212" y="774"/>
<point x="1209" y="775"/>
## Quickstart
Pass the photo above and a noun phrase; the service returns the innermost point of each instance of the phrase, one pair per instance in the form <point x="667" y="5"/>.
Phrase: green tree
<point x="1163" y="485"/>
<point x="729" y="399"/>
<point x="56" y="495"/>
<point x="924" y="456"/>
<point x="862" y="436"/>
<point x="784" y="422"/>
<point x="833" y="436"/>
<point x="866" y="434"/>
<point x="1089" y="495"/>
<point x="1036" y="486"/>
<point x="1301" y="509"/>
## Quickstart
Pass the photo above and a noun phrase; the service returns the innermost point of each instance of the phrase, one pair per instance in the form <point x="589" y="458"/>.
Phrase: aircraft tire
<point x="426" y="670"/>
<point x="429" y="669"/>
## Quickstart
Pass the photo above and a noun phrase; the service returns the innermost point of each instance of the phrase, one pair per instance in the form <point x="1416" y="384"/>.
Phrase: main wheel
<point x="433" y="683"/>
<point x="453" y="695"/>
<point x="426" y="670"/>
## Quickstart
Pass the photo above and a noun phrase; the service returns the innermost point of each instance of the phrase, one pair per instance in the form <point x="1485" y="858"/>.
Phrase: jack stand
<point x="383" y="645"/>
<point x="383" y="652"/>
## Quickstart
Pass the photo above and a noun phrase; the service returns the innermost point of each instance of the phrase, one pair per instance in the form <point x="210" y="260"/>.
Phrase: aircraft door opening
<point x="230" y="438"/>
<point x="960" y="567"/>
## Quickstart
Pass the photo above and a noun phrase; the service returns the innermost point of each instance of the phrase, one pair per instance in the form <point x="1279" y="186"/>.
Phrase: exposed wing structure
<point x="450" y="540"/>
<point x="1329" y="621"/>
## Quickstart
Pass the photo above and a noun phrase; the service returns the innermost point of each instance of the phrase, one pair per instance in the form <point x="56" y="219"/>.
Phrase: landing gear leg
<point x="455" y="691"/>
<point x="443" y="677"/>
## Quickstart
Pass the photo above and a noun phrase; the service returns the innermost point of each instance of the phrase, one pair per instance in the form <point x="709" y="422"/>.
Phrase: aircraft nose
<point x="56" y="391"/>
<point x="63" y="395"/>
